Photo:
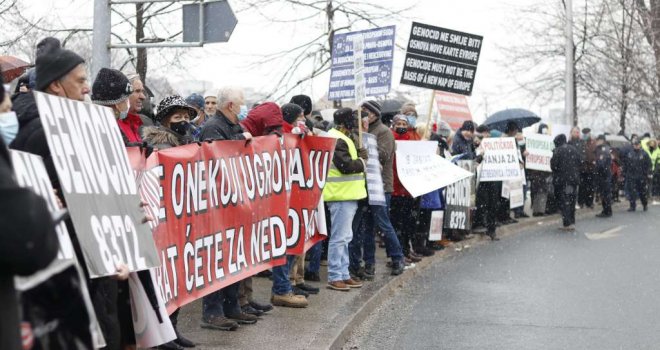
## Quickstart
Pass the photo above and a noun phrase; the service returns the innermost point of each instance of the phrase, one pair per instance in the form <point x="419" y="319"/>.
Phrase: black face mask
<point x="401" y="131"/>
<point x="180" y="128"/>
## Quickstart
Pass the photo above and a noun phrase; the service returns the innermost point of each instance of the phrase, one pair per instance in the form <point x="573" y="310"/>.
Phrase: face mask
<point x="243" y="113"/>
<point x="412" y="121"/>
<point x="123" y="114"/>
<point x="521" y="143"/>
<point x="8" y="127"/>
<point x="400" y="131"/>
<point x="180" y="128"/>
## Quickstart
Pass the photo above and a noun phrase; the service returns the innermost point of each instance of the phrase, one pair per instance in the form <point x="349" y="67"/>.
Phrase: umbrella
<point x="522" y="117"/>
<point x="12" y="67"/>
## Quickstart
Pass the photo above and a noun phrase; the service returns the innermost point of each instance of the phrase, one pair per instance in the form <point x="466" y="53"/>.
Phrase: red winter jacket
<point x="262" y="119"/>
<point x="129" y="128"/>
<point x="399" y="190"/>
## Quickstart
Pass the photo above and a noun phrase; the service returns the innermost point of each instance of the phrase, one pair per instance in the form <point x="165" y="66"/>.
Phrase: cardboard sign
<point x="516" y="194"/>
<point x="453" y="108"/>
<point x="375" y="187"/>
<point x="230" y="209"/>
<point x="31" y="172"/>
<point x="441" y="59"/>
<point x="377" y="54"/>
<point x="437" y="219"/>
<point x="421" y="170"/>
<point x="98" y="184"/>
<point x="501" y="161"/>
<point x="540" y="152"/>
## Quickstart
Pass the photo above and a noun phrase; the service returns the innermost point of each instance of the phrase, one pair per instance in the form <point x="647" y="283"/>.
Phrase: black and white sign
<point x="441" y="59"/>
<point x="457" y="205"/>
<point x="374" y="176"/>
<point x="98" y="184"/>
<point x="31" y="172"/>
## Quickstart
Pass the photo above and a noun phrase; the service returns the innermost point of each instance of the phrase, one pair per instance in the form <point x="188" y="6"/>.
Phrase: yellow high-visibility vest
<point x="344" y="187"/>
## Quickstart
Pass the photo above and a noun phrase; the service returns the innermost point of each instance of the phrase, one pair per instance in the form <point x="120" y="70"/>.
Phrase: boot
<point x="289" y="300"/>
<point x="183" y="341"/>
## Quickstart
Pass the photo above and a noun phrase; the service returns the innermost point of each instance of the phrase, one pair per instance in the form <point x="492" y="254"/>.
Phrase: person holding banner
<point x="603" y="165"/>
<point x="172" y="112"/>
<point x="345" y="186"/>
<point x="487" y="196"/>
<point x="565" y="164"/>
<point x="112" y="88"/>
<point x="540" y="182"/>
<point x="363" y="245"/>
<point x="224" y="125"/>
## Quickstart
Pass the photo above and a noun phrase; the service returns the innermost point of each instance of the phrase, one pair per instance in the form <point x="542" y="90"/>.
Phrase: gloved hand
<point x="363" y="153"/>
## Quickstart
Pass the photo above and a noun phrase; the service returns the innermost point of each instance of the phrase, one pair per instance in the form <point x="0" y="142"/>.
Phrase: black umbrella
<point x="522" y="117"/>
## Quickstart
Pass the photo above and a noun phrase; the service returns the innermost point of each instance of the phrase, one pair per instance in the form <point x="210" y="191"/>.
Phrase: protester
<point x="638" y="165"/>
<point x="488" y="192"/>
<point x="365" y="223"/>
<point x="565" y="164"/>
<point x="603" y="175"/>
<point x="29" y="241"/>
<point x="540" y="181"/>
<point x="173" y="113"/>
<point x="137" y="101"/>
<point x="305" y="102"/>
<point x="462" y="142"/>
<point x="224" y="125"/>
<point x="586" y="188"/>
<point x="197" y="102"/>
<point x="404" y="208"/>
<point x="112" y="88"/>
<point x="345" y="186"/>
<point x="210" y="107"/>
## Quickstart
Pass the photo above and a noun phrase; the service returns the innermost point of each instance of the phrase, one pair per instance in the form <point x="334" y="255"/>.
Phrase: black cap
<point x="344" y="116"/>
<point x="290" y="112"/>
<point x="468" y="125"/>
<point x="53" y="64"/>
<point x="303" y="101"/>
<point x="110" y="87"/>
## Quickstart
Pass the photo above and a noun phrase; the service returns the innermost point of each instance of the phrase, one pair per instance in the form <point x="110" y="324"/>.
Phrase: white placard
<point x="540" y="152"/>
<point x="437" y="220"/>
<point x="421" y="170"/>
<point x="501" y="161"/>
<point x="375" y="186"/>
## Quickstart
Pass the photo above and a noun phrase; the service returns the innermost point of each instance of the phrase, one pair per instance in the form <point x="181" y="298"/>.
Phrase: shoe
<point x="415" y="255"/>
<point x="603" y="215"/>
<point x="397" y="268"/>
<point x="424" y="251"/>
<point x="492" y="236"/>
<point x="437" y="246"/>
<point x="219" y="322"/>
<point x="568" y="228"/>
<point x="478" y="229"/>
<point x="263" y="307"/>
<point x="351" y="283"/>
<point x="413" y="259"/>
<point x="298" y="291"/>
<point x="369" y="272"/>
<point x="183" y="341"/>
<point x="170" y="346"/>
<point x="248" y="309"/>
<point x="538" y="214"/>
<point x="631" y="209"/>
<point x="338" y="285"/>
<point x="312" y="276"/>
<point x="265" y="274"/>
<point x="513" y="221"/>
<point x="524" y="215"/>
<point x="289" y="300"/>
<point x="307" y="288"/>
<point x="356" y="273"/>
<point x="324" y="262"/>
<point x="646" y="207"/>
<point x="243" y="318"/>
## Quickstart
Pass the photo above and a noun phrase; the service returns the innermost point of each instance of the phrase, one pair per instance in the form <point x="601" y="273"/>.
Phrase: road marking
<point x="611" y="233"/>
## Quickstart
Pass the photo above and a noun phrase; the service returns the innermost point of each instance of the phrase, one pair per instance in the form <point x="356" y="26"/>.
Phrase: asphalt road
<point x="597" y="288"/>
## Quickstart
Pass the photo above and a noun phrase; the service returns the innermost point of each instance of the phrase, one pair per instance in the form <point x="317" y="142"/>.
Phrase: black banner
<point x="98" y="183"/>
<point x="441" y="59"/>
<point x="459" y="199"/>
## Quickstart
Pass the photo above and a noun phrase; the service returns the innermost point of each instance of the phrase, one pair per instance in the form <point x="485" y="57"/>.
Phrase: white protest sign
<point x="558" y="129"/>
<point x="358" y="69"/>
<point x="540" y="152"/>
<point x="437" y="219"/>
<point x="501" y="161"/>
<point x="375" y="186"/>
<point x="421" y="170"/>
<point x="516" y="194"/>
<point x="149" y="330"/>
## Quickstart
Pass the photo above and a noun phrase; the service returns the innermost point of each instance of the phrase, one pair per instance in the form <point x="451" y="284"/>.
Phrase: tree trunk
<point x="141" y="65"/>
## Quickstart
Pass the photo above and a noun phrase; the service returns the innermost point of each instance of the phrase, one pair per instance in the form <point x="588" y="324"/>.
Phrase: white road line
<point x="611" y="233"/>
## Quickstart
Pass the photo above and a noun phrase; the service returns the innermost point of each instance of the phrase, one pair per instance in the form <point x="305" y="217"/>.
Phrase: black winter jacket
<point x="637" y="164"/>
<point x="565" y="163"/>
<point x="219" y="127"/>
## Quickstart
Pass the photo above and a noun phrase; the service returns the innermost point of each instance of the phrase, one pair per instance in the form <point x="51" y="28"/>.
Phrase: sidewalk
<point x="332" y="315"/>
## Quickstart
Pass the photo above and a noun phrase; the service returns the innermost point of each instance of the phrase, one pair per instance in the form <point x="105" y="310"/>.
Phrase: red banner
<point x="453" y="108"/>
<point x="227" y="210"/>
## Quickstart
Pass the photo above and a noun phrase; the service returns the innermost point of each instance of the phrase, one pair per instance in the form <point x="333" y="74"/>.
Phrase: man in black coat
<point x="565" y="165"/>
<point x="638" y="167"/>
<point x="224" y="124"/>
<point x="603" y="171"/>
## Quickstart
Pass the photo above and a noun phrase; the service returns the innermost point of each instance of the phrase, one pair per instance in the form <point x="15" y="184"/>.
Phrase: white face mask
<point x="8" y="127"/>
<point x="124" y="114"/>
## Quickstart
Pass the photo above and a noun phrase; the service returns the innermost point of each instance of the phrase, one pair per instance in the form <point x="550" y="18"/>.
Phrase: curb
<point x="338" y="339"/>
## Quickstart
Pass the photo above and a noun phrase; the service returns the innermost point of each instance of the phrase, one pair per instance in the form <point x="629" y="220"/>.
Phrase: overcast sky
<point x="230" y="63"/>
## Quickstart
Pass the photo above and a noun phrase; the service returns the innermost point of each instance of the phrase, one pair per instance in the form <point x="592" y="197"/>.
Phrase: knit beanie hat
<point x="53" y="63"/>
<point x="110" y="87"/>
<point x="372" y="106"/>
<point x="304" y="101"/>
<point x="195" y="100"/>
<point x="290" y="112"/>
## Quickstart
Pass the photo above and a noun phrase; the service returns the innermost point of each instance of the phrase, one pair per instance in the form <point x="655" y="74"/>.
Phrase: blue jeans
<point x="363" y="245"/>
<point x="314" y="256"/>
<point x="222" y="302"/>
<point x="281" y="283"/>
<point x="341" y="233"/>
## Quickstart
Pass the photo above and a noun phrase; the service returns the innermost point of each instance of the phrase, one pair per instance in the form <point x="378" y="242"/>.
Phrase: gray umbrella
<point x="522" y="117"/>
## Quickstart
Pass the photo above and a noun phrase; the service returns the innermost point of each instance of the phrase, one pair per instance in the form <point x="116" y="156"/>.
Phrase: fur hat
<point x="304" y="101"/>
<point x="110" y="87"/>
<point x="171" y="103"/>
<point x="344" y="116"/>
<point x="290" y="112"/>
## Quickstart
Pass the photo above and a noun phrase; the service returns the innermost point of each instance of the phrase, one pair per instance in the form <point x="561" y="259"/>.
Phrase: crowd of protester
<point x="584" y="170"/>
